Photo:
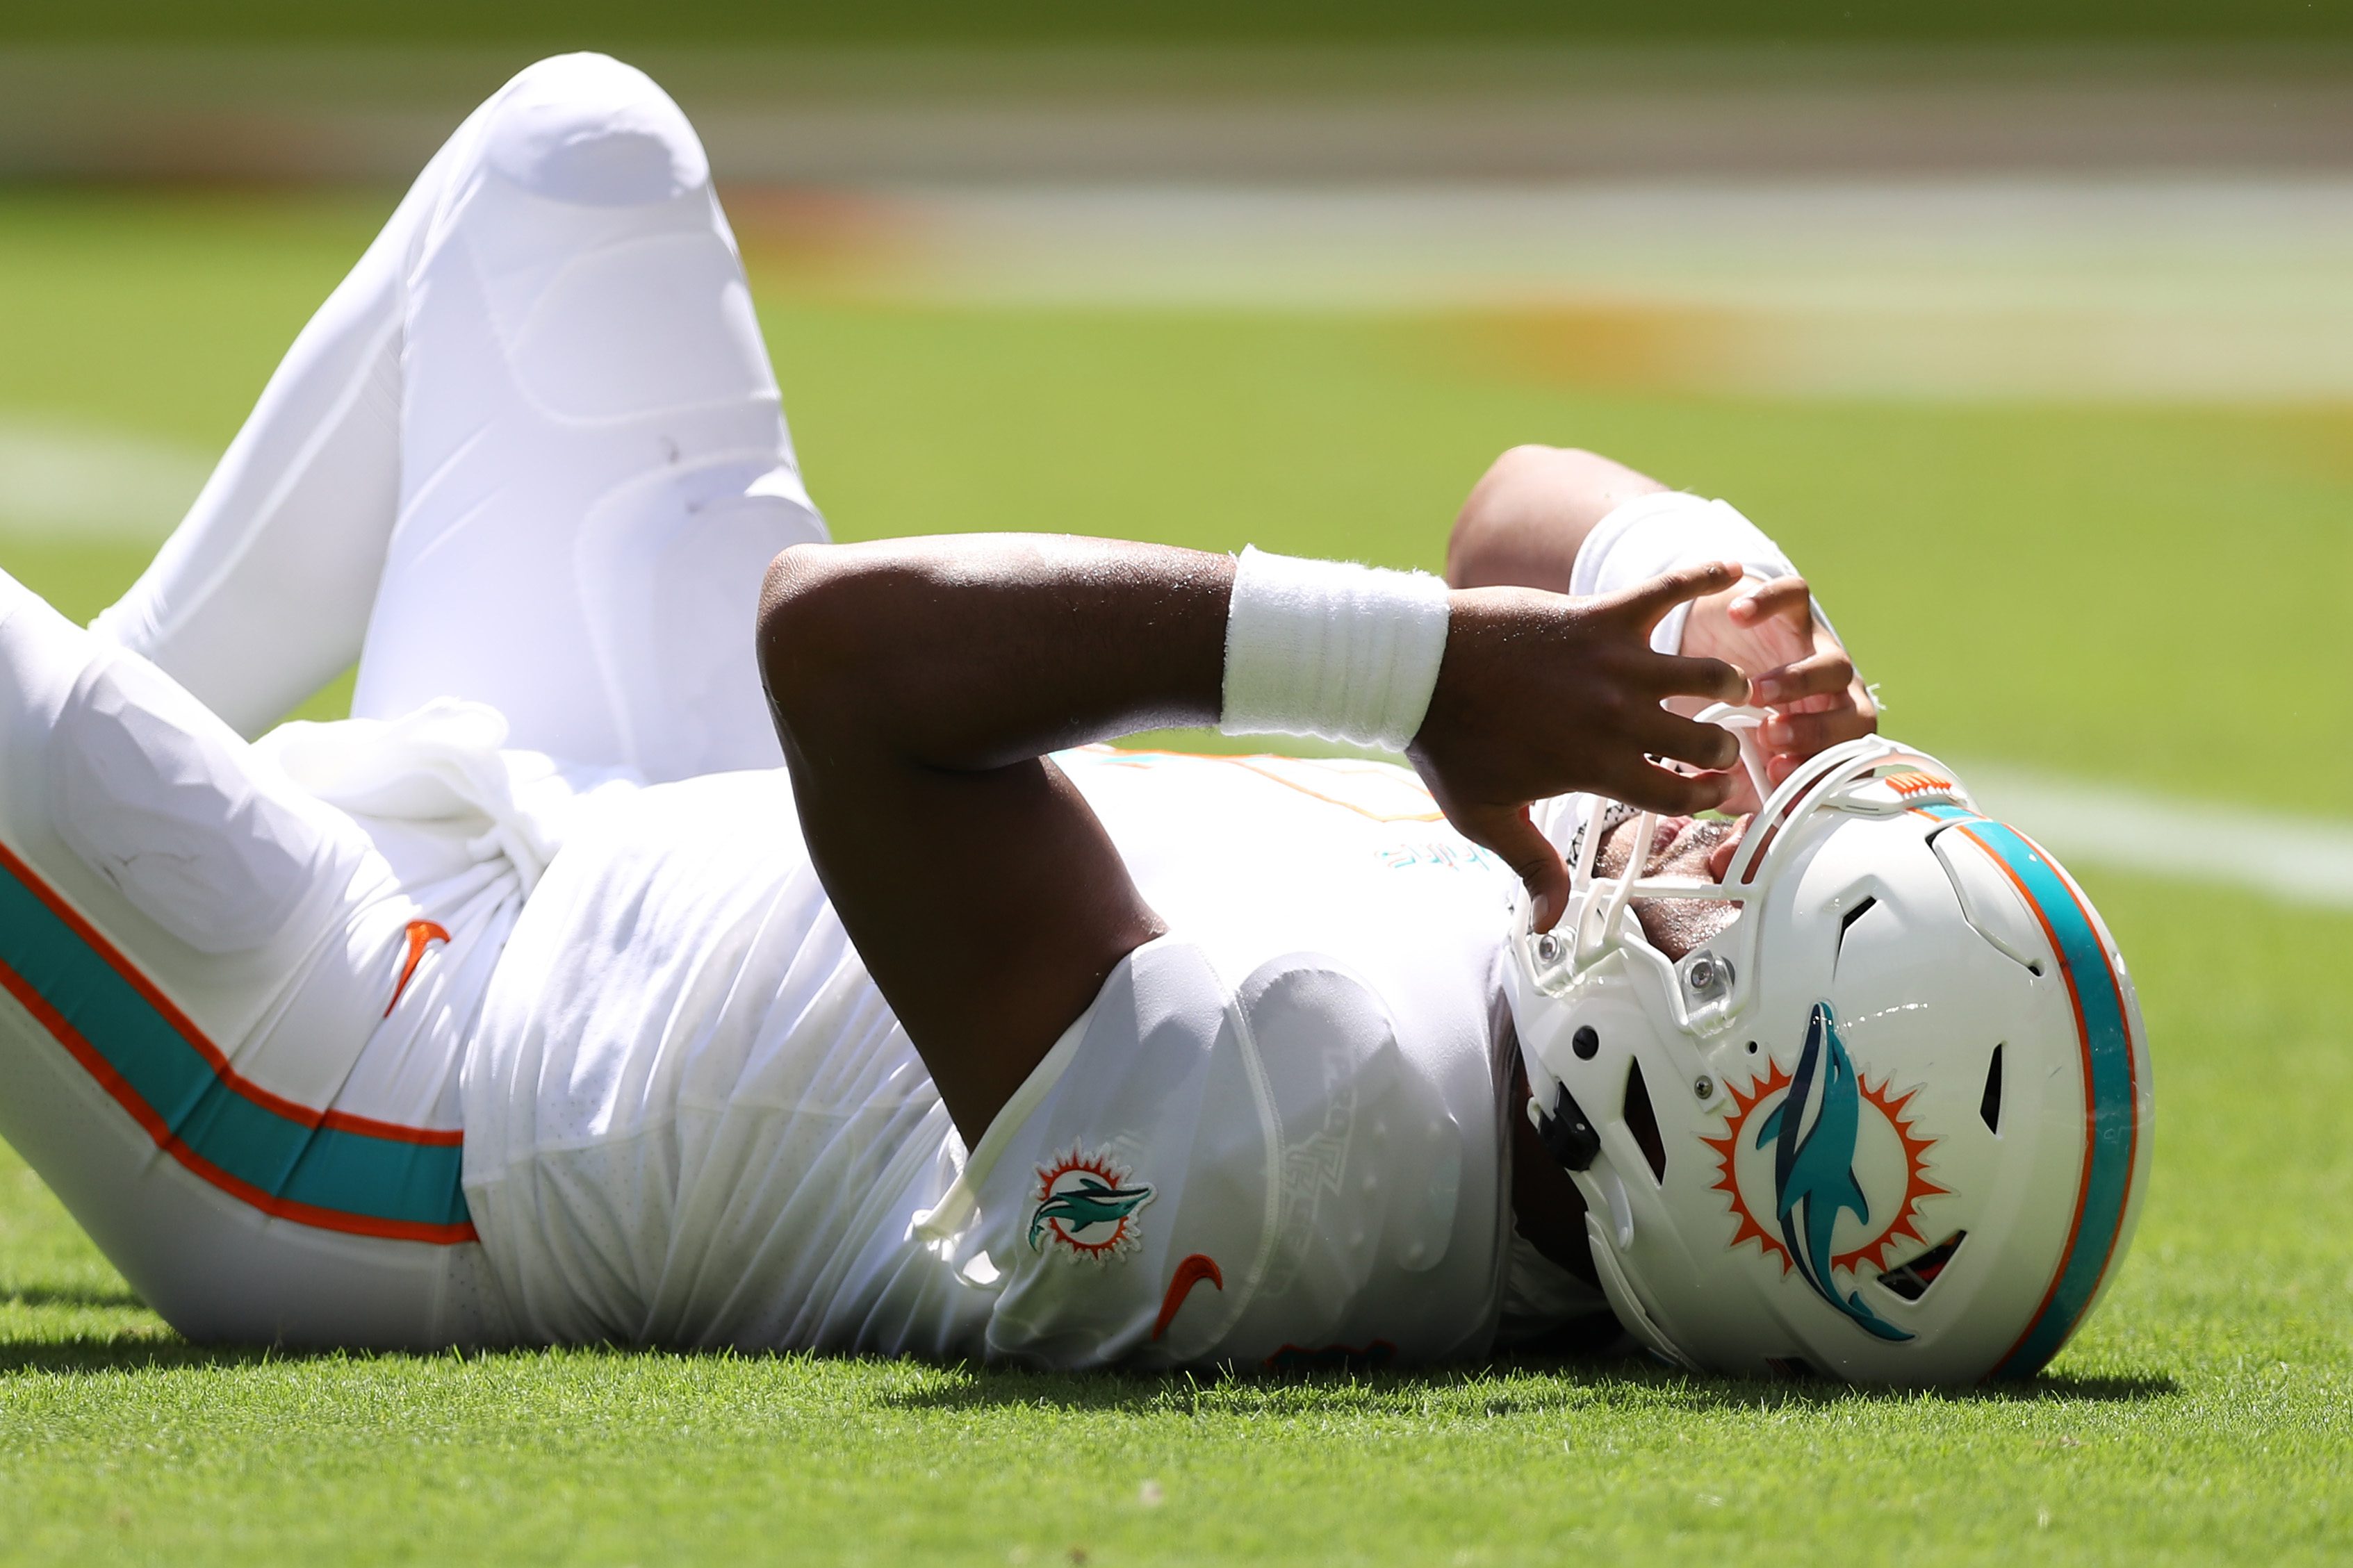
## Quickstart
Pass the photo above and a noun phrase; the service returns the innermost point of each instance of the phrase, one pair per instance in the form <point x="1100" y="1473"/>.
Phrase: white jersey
<point x="1275" y="1136"/>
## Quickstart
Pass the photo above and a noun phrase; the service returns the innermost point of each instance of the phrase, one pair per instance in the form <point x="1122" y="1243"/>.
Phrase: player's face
<point x="1684" y="848"/>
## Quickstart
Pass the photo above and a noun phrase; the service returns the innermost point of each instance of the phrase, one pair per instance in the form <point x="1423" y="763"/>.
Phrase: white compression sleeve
<point x="1323" y="647"/>
<point x="1664" y="530"/>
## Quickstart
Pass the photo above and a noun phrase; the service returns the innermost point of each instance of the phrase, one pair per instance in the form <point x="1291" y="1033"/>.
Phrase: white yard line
<point x="2295" y="858"/>
<point x="2287" y="855"/>
<point x="2138" y="290"/>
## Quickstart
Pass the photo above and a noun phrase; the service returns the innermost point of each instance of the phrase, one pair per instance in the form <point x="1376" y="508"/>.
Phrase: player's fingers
<point x="1665" y="735"/>
<point x="1509" y="832"/>
<point x="1829" y="671"/>
<point x="1787" y="597"/>
<point x="1665" y="675"/>
<point x="1647" y="604"/>
<point x="1821" y="703"/>
<point x="1803" y="734"/>
<point x="1655" y="788"/>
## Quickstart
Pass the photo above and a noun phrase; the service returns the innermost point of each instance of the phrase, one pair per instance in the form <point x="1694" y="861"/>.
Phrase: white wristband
<point x="1322" y="647"/>
<point x="1663" y="531"/>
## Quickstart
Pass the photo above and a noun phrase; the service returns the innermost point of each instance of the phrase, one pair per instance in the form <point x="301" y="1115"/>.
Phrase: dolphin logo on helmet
<point x="1880" y="926"/>
<point x="1813" y="1171"/>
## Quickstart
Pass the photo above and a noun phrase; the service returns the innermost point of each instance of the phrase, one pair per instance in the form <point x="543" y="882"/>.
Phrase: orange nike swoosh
<point x="420" y="932"/>
<point x="1196" y="1267"/>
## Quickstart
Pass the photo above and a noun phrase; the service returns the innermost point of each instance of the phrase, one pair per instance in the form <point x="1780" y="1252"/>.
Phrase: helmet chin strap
<point x="1599" y="919"/>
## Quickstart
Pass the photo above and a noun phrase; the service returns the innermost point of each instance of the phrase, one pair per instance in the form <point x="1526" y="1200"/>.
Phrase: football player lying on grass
<point x="538" y="1003"/>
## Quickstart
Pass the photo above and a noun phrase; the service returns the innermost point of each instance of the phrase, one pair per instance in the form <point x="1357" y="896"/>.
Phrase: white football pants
<point x="530" y="454"/>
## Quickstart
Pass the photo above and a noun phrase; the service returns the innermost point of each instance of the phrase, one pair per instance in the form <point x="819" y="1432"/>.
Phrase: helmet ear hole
<point x="1911" y="1280"/>
<point x="1989" y="1103"/>
<point x="1846" y="924"/>
<point x="1642" y="1122"/>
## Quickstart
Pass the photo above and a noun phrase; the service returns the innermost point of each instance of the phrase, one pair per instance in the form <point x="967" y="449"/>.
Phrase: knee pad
<point x="586" y="129"/>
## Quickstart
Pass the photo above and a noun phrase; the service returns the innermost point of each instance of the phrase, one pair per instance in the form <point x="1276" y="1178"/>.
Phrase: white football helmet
<point x="1891" y="1125"/>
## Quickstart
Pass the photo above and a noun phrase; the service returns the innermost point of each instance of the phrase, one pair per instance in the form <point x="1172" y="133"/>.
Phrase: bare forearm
<point x="974" y="652"/>
<point x="918" y="686"/>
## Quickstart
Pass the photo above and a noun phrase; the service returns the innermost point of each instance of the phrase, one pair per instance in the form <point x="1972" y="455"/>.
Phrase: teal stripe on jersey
<point x="374" y="1180"/>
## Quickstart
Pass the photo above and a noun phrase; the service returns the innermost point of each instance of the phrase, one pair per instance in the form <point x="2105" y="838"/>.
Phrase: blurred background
<point x="2027" y="326"/>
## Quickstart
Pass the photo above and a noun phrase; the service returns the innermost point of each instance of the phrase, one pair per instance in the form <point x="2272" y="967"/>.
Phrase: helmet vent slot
<point x="1911" y="1280"/>
<point x="1846" y="923"/>
<point x="1642" y="1122"/>
<point x="1990" y="1104"/>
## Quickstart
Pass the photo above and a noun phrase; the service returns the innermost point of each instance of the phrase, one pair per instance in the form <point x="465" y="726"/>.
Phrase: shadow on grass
<point x="1505" y="1387"/>
<point x="158" y="1351"/>
<point x="1509" y="1386"/>
<point x="136" y="1346"/>
<point x="111" y="1296"/>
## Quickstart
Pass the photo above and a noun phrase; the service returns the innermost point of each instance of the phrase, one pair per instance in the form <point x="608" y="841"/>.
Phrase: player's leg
<point x="595" y="469"/>
<point x="262" y="594"/>
<point x="530" y="450"/>
<point x="194" y="961"/>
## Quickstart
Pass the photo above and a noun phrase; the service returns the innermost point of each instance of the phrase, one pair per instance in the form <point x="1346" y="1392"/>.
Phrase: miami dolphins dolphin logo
<point x="1087" y="1206"/>
<point x="1813" y="1166"/>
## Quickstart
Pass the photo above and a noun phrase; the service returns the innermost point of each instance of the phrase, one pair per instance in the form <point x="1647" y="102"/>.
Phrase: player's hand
<point x="1540" y="695"/>
<point x="1804" y="678"/>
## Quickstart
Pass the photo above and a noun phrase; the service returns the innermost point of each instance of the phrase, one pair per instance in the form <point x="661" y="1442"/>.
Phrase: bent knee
<point x="586" y="129"/>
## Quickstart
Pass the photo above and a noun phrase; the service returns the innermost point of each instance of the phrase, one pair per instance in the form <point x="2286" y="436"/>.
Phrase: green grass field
<point x="2140" y="595"/>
